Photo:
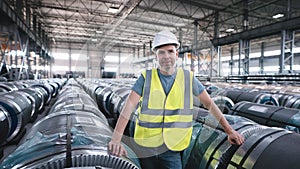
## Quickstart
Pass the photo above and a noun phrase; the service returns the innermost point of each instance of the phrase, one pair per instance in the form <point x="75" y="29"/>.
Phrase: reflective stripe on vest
<point x="165" y="119"/>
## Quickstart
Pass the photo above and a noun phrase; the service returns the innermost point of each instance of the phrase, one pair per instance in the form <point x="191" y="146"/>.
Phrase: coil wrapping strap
<point x="226" y="157"/>
<point x="68" y="162"/>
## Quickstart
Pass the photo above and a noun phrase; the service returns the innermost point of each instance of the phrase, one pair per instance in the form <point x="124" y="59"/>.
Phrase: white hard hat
<point x="164" y="38"/>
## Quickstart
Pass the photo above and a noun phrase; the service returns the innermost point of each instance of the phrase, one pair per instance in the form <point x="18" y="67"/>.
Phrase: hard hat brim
<point x="164" y="44"/>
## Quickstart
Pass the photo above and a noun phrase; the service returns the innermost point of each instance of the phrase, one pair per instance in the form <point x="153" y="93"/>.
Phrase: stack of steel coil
<point x="74" y="134"/>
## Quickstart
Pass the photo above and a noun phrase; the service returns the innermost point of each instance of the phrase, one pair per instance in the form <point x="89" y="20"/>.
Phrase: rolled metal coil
<point x="48" y="89"/>
<point x="291" y="101"/>
<point x="8" y="86"/>
<point x="223" y="103"/>
<point x="91" y="88"/>
<point x="59" y="82"/>
<point x="255" y="97"/>
<point x="210" y="89"/>
<point x="102" y="96"/>
<point x="268" y="115"/>
<point x="76" y="100"/>
<point x="42" y="93"/>
<point x="207" y="137"/>
<point x="55" y="88"/>
<point x="20" y="111"/>
<point x="212" y="150"/>
<point x="117" y="100"/>
<point x="78" y="139"/>
<point x="37" y="95"/>
<point x="5" y="125"/>
<point x="264" y="149"/>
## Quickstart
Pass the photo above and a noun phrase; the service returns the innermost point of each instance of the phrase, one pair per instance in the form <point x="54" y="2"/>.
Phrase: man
<point x="163" y="127"/>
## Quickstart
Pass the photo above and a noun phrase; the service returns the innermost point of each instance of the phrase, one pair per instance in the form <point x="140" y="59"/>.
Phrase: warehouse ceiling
<point x="113" y="25"/>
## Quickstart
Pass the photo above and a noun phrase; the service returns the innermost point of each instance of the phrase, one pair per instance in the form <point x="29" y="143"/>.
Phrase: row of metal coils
<point x="77" y="129"/>
<point x="209" y="147"/>
<point x="74" y="133"/>
<point x="20" y="104"/>
<point x="268" y="106"/>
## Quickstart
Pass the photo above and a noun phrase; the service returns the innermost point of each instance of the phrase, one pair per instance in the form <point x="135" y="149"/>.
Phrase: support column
<point x="41" y="58"/>
<point x="150" y="44"/>
<point x="219" y="51"/>
<point x="50" y="67"/>
<point x="45" y="63"/>
<point x="70" y="58"/>
<point x="181" y="55"/>
<point x="28" y="14"/>
<point x="231" y="61"/>
<point x="245" y="43"/>
<point x="216" y="48"/>
<point x="35" y="61"/>
<point x="291" y="52"/>
<point x="119" y="63"/>
<point x="215" y="53"/>
<point x="281" y="58"/>
<point x="28" y="61"/>
<point x="88" y="60"/>
<point x="16" y="47"/>
<point x="287" y="45"/>
<point x="262" y="57"/>
<point x="34" y="25"/>
<point x="244" y="50"/>
<point x="133" y="53"/>
<point x="18" y="8"/>
<point x="240" y="56"/>
<point x="102" y="63"/>
<point x="39" y="29"/>
<point x="144" y="50"/>
<point x="287" y="54"/>
<point x="195" y="44"/>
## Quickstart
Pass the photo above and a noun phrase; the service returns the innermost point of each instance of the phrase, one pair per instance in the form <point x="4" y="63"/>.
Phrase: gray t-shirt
<point x="167" y="82"/>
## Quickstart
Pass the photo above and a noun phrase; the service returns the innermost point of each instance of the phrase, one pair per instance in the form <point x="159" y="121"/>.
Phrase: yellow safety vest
<point x="165" y="118"/>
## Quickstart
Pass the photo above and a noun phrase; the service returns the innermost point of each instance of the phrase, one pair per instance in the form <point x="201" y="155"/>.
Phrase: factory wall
<point x="81" y="62"/>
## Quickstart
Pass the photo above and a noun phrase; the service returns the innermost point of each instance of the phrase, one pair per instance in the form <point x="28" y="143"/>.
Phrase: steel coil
<point x="79" y="138"/>
<point x="5" y="125"/>
<point x="268" y="115"/>
<point x="255" y="97"/>
<point x="19" y="108"/>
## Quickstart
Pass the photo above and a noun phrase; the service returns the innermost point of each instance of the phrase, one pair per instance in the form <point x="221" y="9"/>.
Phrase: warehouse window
<point x="61" y="56"/>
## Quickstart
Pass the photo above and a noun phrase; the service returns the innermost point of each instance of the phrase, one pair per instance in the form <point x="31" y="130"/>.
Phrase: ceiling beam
<point x="259" y="32"/>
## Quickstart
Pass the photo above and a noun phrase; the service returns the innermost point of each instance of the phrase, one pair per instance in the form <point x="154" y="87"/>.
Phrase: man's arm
<point x="115" y="146"/>
<point x="233" y="136"/>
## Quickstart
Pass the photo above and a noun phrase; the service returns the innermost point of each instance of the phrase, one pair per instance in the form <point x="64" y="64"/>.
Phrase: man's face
<point x="166" y="56"/>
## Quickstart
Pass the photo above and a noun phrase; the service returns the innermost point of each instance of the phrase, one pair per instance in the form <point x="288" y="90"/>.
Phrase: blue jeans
<point x="167" y="160"/>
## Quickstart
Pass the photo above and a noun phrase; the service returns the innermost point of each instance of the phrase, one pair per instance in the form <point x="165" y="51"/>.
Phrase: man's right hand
<point x="116" y="149"/>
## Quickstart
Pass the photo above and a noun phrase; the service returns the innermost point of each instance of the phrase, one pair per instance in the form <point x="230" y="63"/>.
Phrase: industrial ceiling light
<point x="229" y="30"/>
<point x="32" y="54"/>
<point x="279" y="15"/>
<point x="54" y="41"/>
<point x="99" y="32"/>
<point x="113" y="9"/>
